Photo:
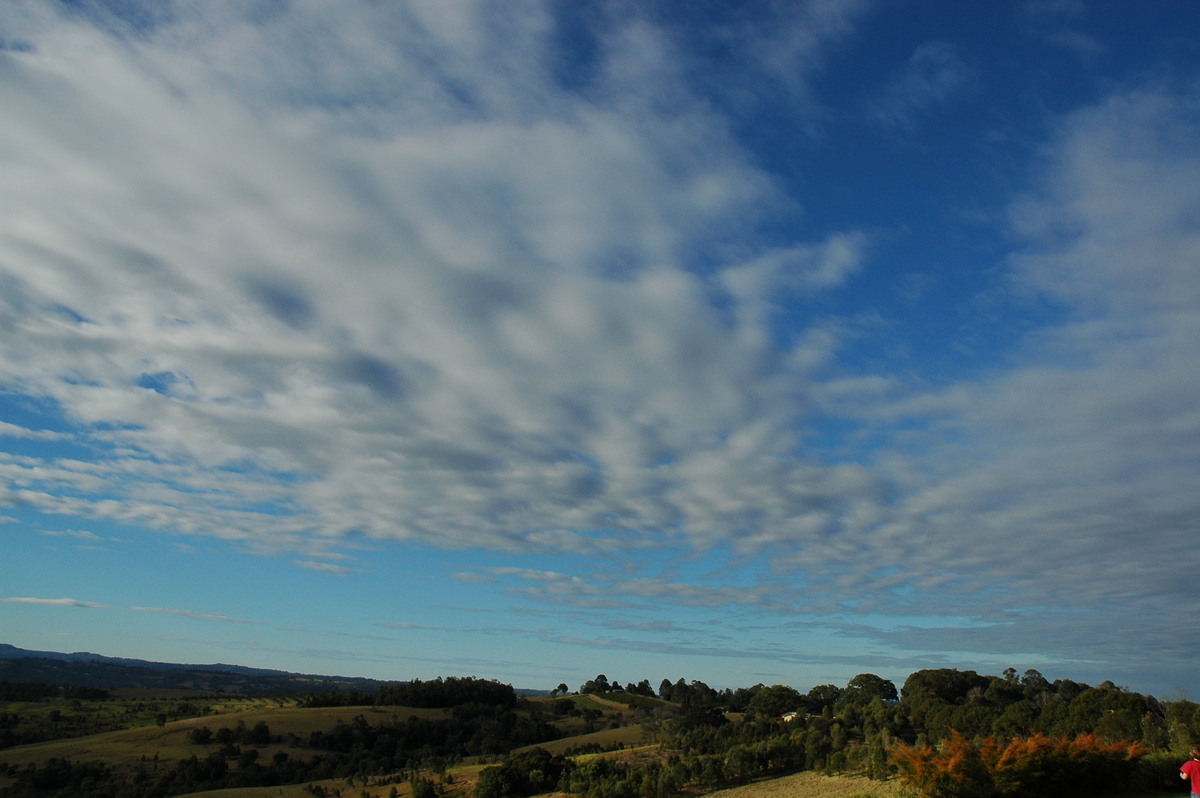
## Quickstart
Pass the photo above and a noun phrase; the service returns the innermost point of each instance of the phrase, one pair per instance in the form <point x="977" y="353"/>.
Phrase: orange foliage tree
<point x="1029" y="767"/>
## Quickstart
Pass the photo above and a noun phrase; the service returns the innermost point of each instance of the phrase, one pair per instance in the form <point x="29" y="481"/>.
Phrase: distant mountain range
<point x="85" y="669"/>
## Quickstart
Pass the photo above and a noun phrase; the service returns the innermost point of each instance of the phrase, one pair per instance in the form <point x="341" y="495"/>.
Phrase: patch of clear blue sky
<point x="933" y="195"/>
<point x="35" y="413"/>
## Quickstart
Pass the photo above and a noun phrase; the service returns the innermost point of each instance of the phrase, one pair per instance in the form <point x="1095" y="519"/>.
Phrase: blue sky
<point x="761" y="342"/>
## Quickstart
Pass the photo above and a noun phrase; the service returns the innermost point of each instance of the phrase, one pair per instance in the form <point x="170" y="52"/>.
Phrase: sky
<point x="760" y="342"/>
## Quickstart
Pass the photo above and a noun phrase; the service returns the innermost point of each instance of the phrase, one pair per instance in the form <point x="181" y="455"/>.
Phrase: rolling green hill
<point x="84" y="669"/>
<point x="476" y="738"/>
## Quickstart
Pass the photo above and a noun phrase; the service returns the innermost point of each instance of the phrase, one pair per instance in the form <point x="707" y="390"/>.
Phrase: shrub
<point x="526" y="773"/>
<point x="1029" y="767"/>
<point x="201" y="735"/>
<point x="1160" y="770"/>
<point x="953" y="770"/>
<point x="422" y="788"/>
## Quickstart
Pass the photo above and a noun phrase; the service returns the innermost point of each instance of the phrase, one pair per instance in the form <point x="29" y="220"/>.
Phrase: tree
<point x="494" y="782"/>
<point x="821" y="696"/>
<point x="1034" y="682"/>
<point x="598" y="685"/>
<point x="1180" y="721"/>
<point x="423" y="788"/>
<point x="1016" y="721"/>
<point x="680" y="692"/>
<point x="865" y="686"/>
<point x="260" y="734"/>
<point x="201" y="735"/>
<point x="1034" y="767"/>
<point x="771" y="702"/>
<point x="947" y="684"/>
<point x="701" y="693"/>
<point x="531" y="772"/>
<point x="696" y="717"/>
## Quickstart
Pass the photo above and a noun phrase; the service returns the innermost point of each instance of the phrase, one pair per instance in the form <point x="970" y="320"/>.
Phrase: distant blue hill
<point x="85" y="669"/>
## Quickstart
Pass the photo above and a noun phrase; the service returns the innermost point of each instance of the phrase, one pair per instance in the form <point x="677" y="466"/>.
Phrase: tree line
<point x="36" y="691"/>
<point x="950" y="733"/>
<point x="434" y="693"/>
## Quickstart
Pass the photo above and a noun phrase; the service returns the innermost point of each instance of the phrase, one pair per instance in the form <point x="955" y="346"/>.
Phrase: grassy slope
<point x="627" y="736"/>
<point x="800" y="785"/>
<point x="814" y="785"/>
<point x="171" y="744"/>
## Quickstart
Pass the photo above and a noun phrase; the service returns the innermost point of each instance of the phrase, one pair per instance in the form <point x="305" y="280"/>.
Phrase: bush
<point x="526" y="773"/>
<point x="201" y="735"/>
<point x="1160" y="770"/>
<point x="953" y="770"/>
<point x="422" y="788"/>
<point x="1026" y="767"/>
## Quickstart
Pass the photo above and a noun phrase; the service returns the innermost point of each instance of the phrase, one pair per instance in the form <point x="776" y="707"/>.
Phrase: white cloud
<point x="787" y="46"/>
<point x="59" y="602"/>
<point x="81" y="534"/>
<point x="302" y="285"/>
<point x="468" y="326"/>
<point x="327" y="567"/>
<point x="768" y="281"/>
<point x="14" y="431"/>
<point x="200" y="616"/>
<point x="934" y="74"/>
<point x="1061" y="485"/>
<point x="92" y="605"/>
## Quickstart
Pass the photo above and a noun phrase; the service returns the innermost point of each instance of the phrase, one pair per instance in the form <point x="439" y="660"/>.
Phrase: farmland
<point x="473" y="738"/>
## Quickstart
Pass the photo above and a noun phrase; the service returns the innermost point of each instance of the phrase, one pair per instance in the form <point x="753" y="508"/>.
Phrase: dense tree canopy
<point x="445" y="692"/>
<point x="775" y="701"/>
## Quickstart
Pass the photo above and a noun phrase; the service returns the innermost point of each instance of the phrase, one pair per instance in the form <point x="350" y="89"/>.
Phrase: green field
<point x="169" y="743"/>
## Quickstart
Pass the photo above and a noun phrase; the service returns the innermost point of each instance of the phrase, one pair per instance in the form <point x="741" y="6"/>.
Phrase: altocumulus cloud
<point x="467" y="322"/>
<point x="1063" y="483"/>
<point x="327" y="278"/>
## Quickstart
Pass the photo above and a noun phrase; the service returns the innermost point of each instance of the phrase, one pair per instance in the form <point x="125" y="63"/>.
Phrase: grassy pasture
<point x="802" y="785"/>
<point x="628" y="736"/>
<point x="462" y="781"/>
<point x="618" y="702"/>
<point x="170" y="743"/>
<point x="302" y="721"/>
<point x="814" y="785"/>
<point x="125" y="709"/>
<point x="799" y="785"/>
<point x="634" y="701"/>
